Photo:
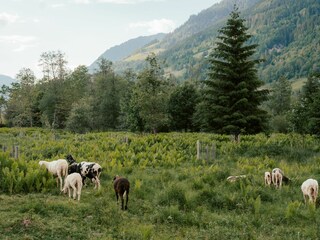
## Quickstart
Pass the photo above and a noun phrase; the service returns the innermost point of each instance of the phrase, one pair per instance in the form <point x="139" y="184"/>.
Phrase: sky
<point x="82" y="29"/>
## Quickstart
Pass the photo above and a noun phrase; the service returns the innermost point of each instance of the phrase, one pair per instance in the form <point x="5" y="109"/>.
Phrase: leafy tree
<point x="54" y="104"/>
<point x="314" y="120"/>
<point x="305" y="116"/>
<point x="127" y="110"/>
<point x="22" y="106"/>
<point x="135" y="121"/>
<point x="280" y="98"/>
<point x="279" y="105"/>
<point x="80" y="117"/>
<point x="232" y="89"/>
<point x="53" y="65"/>
<point x="3" y="102"/>
<point x="181" y="107"/>
<point x="78" y="83"/>
<point x="106" y="92"/>
<point x="77" y="95"/>
<point x="151" y="96"/>
<point x="104" y="66"/>
<point x="54" y="111"/>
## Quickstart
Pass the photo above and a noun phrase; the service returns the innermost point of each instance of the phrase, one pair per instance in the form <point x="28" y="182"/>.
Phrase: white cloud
<point x="82" y="1"/>
<point x="155" y="26"/>
<point x="23" y="47"/>
<point x="16" y="39"/>
<point x="36" y="20"/>
<point x="18" y="42"/>
<point x="6" y="18"/>
<point x="115" y="1"/>
<point x="57" y="5"/>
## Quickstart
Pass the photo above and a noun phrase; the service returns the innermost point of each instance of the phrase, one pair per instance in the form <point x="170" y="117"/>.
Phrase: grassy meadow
<point x="173" y="195"/>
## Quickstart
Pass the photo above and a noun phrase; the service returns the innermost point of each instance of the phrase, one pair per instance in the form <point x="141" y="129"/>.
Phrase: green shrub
<point x="24" y="177"/>
<point x="173" y="195"/>
<point x="292" y="210"/>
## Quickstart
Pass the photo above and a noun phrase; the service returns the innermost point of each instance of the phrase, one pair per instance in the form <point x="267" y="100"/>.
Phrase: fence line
<point x="14" y="150"/>
<point x="206" y="152"/>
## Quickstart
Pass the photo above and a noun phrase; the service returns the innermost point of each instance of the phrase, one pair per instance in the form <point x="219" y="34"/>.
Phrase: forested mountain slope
<point x="287" y="32"/>
<point x="117" y="53"/>
<point x="5" y="80"/>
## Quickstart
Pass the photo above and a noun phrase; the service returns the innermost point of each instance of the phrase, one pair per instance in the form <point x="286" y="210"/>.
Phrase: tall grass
<point x="173" y="195"/>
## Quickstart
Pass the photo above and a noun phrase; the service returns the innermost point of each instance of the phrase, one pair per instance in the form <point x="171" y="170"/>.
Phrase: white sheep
<point x="310" y="188"/>
<point x="74" y="181"/>
<point x="58" y="168"/>
<point x="267" y="178"/>
<point x="277" y="175"/>
<point x="235" y="178"/>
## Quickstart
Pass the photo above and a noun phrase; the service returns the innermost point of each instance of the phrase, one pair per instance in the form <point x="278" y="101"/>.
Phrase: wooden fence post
<point x="12" y="151"/>
<point x="16" y="152"/>
<point x="198" y="149"/>
<point x="207" y="153"/>
<point x="213" y="151"/>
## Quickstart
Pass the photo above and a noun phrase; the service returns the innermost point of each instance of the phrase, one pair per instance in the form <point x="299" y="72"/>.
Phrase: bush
<point x="174" y="195"/>
<point x="22" y="177"/>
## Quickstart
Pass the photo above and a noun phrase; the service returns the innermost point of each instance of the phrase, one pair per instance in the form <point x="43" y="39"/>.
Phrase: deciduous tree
<point x="182" y="105"/>
<point x="22" y="104"/>
<point x="151" y="96"/>
<point x="305" y="116"/>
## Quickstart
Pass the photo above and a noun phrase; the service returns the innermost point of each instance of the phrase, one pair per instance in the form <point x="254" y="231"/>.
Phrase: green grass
<point x="173" y="195"/>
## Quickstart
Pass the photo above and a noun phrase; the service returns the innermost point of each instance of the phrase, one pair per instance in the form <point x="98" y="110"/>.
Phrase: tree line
<point x="232" y="99"/>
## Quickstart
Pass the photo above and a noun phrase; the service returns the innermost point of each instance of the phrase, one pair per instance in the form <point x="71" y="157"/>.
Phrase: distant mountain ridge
<point x="123" y="50"/>
<point x="287" y="33"/>
<point x="6" y="80"/>
<point x="206" y="18"/>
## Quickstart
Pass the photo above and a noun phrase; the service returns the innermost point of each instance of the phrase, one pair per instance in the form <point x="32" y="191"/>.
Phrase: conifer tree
<point x="232" y="94"/>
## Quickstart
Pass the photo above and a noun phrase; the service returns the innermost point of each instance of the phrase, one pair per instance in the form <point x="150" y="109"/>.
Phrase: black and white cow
<point x="89" y="170"/>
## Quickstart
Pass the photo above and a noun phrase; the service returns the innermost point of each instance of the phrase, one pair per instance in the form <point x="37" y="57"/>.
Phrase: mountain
<point x="6" y="80"/>
<point x="206" y="18"/>
<point x="123" y="50"/>
<point x="287" y="33"/>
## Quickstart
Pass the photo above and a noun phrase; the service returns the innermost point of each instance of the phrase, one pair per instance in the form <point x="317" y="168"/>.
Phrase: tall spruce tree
<point x="232" y="94"/>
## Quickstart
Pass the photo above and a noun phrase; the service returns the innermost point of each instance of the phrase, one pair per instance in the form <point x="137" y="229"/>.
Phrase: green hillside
<point x="123" y="50"/>
<point x="6" y="80"/>
<point x="287" y="32"/>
